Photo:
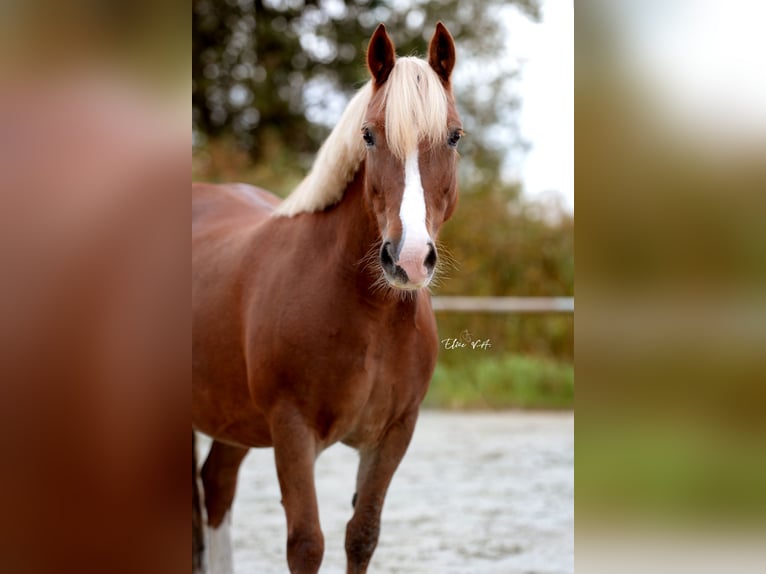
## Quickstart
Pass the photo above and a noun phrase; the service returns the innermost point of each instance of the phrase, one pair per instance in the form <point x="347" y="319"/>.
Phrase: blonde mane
<point x="416" y="109"/>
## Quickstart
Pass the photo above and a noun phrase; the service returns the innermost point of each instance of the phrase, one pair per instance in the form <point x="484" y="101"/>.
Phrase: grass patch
<point x="501" y="382"/>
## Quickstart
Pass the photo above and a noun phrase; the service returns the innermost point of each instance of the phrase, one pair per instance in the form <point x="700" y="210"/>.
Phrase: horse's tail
<point x="198" y="540"/>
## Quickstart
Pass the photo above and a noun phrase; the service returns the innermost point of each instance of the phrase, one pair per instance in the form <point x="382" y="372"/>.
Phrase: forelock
<point x="416" y="106"/>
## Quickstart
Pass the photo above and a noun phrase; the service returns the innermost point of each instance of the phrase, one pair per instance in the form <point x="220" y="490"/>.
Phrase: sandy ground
<point x="476" y="493"/>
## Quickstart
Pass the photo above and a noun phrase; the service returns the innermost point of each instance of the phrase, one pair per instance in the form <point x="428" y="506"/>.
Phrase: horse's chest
<point x="393" y="382"/>
<point x="352" y="378"/>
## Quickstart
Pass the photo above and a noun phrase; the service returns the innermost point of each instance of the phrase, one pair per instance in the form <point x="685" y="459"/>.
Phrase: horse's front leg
<point x="376" y="468"/>
<point x="219" y="478"/>
<point x="295" y="451"/>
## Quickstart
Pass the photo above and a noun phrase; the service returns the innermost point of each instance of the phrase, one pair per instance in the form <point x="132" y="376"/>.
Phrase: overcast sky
<point x="544" y="53"/>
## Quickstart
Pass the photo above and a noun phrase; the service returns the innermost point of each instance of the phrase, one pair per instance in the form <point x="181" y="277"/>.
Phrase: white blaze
<point x="412" y="211"/>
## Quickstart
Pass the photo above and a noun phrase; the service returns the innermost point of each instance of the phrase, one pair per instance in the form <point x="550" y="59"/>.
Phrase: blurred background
<point x="670" y="112"/>
<point x="271" y="78"/>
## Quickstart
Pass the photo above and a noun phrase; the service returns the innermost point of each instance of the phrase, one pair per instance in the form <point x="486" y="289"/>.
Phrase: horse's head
<point x="411" y="131"/>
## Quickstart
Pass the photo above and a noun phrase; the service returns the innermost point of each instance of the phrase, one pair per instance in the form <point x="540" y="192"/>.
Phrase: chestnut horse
<point x="312" y="323"/>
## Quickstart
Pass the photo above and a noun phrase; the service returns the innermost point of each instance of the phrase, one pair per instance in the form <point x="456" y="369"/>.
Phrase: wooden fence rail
<point x="504" y="304"/>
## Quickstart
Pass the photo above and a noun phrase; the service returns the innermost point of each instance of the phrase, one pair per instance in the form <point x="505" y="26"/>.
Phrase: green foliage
<point x="485" y="381"/>
<point x="501" y="245"/>
<point x="675" y="468"/>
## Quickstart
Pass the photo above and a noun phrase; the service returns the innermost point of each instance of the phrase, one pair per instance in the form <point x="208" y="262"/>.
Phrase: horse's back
<point x="232" y="202"/>
<point x="224" y="219"/>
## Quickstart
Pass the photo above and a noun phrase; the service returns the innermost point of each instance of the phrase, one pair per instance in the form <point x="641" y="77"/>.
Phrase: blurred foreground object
<point x="94" y="304"/>
<point x="94" y="328"/>
<point x="94" y="292"/>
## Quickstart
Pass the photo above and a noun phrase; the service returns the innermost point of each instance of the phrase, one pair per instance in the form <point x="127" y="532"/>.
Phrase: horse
<point x="312" y="320"/>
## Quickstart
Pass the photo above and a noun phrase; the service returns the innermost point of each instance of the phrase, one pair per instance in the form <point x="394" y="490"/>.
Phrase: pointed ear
<point x="381" y="55"/>
<point x="441" y="52"/>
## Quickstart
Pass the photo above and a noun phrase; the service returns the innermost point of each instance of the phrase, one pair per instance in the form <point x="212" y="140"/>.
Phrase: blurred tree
<point x="505" y="246"/>
<point x="275" y="74"/>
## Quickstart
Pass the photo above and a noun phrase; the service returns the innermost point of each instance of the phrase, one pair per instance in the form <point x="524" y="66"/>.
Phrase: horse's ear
<point x="441" y="52"/>
<point x="381" y="55"/>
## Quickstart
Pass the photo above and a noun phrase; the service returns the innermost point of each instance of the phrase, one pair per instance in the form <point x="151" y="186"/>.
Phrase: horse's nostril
<point x="430" y="261"/>
<point x="387" y="255"/>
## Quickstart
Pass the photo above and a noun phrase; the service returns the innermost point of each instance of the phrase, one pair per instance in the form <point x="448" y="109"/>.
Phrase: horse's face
<point x="411" y="132"/>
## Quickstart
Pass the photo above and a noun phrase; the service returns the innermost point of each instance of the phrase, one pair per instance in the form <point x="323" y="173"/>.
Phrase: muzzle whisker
<point x="445" y="264"/>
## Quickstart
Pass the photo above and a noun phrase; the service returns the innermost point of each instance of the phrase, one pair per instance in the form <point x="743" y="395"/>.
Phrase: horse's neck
<point x="357" y="242"/>
<point x="351" y="221"/>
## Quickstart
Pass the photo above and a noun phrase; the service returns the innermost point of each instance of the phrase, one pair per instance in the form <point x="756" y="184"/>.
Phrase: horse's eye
<point x="368" y="138"/>
<point x="454" y="137"/>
